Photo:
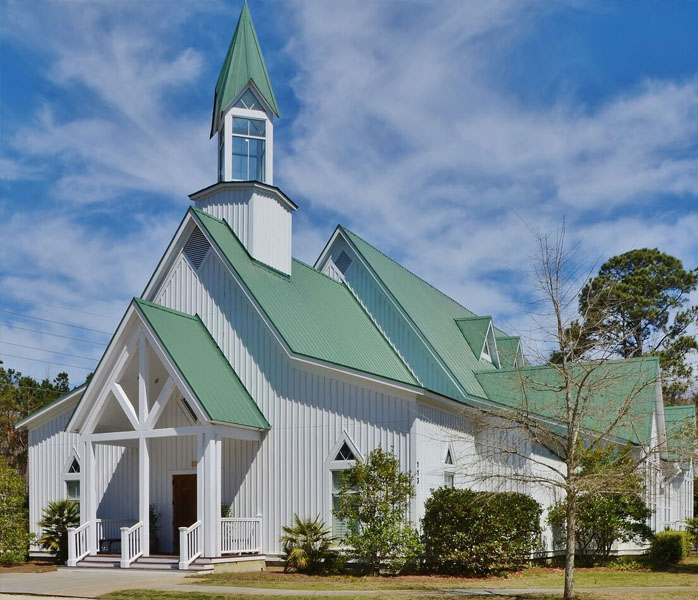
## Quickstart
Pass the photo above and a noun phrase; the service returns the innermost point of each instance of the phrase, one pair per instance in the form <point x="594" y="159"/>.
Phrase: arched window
<point x="449" y="470"/>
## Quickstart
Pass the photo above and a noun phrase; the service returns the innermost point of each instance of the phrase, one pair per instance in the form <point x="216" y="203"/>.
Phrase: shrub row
<point x="478" y="533"/>
<point x="669" y="548"/>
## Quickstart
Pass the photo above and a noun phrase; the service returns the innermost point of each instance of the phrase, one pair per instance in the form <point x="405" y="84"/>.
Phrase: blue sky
<point x="441" y="132"/>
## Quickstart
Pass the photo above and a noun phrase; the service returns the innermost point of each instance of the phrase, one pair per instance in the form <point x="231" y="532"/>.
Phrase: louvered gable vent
<point x="343" y="261"/>
<point x="196" y="248"/>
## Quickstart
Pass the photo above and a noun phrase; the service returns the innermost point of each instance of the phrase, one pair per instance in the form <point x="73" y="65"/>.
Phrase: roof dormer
<point x="479" y="333"/>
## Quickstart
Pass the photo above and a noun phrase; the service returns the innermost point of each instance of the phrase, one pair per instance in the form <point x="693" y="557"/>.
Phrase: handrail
<point x="78" y="547"/>
<point x="131" y="544"/>
<point x="110" y="529"/>
<point x="189" y="544"/>
<point x="241" y="536"/>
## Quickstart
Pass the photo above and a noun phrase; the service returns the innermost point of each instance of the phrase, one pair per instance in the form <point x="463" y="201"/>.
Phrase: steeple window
<point x="249" y="146"/>
<point x="249" y="101"/>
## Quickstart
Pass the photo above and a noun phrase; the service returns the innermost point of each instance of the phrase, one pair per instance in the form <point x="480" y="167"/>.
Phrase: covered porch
<point x="154" y="400"/>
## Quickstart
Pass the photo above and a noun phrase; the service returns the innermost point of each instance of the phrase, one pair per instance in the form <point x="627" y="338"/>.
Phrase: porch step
<point x="145" y="563"/>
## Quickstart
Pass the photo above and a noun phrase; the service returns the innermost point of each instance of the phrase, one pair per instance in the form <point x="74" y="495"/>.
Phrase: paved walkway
<point x="67" y="584"/>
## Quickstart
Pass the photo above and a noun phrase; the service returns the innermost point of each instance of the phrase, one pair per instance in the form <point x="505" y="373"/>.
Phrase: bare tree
<point x="542" y="422"/>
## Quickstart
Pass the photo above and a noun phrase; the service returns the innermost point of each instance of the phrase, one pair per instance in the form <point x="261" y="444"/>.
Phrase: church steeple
<point x="244" y="107"/>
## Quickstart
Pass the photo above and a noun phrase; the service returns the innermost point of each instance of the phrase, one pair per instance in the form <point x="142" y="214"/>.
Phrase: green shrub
<point x="374" y="495"/>
<point x="14" y="536"/>
<point x="307" y="545"/>
<point x="692" y="529"/>
<point x="478" y="533"/>
<point x="56" y="519"/>
<point x="669" y="548"/>
<point x="602" y="520"/>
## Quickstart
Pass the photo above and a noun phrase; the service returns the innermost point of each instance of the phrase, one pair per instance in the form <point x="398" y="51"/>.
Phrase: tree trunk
<point x="571" y="544"/>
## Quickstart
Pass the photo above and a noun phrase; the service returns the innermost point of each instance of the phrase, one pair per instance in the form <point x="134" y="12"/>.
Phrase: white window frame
<point x="449" y="469"/>
<point x="70" y="477"/>
<point x="339" y="465"/>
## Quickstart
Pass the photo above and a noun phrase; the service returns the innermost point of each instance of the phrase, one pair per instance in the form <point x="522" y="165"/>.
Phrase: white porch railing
<point x="241" y="536"/>
<point x="131" y="544"/>
<point x="675" y="525"/>
<point x="190" y="544"/>
<point x="78" y="547"/>
<point x="110" y="529"/>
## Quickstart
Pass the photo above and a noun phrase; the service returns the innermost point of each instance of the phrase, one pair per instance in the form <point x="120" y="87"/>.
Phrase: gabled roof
<point x="680" y="431"/>
<point x="316" y="316"/>
<point x="474" y="330"/>
<point x="69" y="400"/>
<point x="202" y="364"/>
<point x="243" y="64"/>
<point x="508" y="349"/>
<point x="431" y="311"/>
<point x="608" y="390"/>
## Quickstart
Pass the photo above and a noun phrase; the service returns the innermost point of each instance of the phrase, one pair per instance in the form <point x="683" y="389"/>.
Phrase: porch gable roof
<point x="202" y="364"/>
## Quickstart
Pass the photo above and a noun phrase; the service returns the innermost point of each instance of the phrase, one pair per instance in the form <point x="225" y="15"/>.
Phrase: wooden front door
<point x="183" y="504"/>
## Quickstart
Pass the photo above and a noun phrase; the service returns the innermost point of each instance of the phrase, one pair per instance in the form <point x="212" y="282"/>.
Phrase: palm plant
<point x="56" y="519"/>
<point x="306" y="545"/>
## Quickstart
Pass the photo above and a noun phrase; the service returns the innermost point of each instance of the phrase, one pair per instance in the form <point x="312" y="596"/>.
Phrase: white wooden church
<point x="243" y="381"/>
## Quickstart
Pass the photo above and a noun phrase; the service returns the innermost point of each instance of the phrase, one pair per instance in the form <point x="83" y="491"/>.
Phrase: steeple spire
<point x="243" y="65"/>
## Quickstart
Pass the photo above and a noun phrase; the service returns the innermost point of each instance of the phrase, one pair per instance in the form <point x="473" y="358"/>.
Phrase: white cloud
<point x="407" y="134"/>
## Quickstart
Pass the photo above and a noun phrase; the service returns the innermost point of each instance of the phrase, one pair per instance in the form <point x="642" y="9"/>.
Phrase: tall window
<point x="248" y="149"/>
<point x="344" y="459"/>
<point x="72" y="481"/>
<point x="449" y="471"/>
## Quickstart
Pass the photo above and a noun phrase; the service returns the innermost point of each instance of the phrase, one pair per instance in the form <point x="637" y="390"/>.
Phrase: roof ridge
<point x="179" y="313"/>
<point x="405" y="268"/>
<point x="615" y="361"/>
<point x="473" y="318"/>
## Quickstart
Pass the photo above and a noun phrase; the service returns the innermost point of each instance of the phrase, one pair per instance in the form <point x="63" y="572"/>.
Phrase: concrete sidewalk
<point x="90" y="583"/>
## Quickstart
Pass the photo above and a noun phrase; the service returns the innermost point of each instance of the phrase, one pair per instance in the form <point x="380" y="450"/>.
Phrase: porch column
<point x="210" y="493"/>
<point x="144" y="493"/>
<point x="88" y="501"/>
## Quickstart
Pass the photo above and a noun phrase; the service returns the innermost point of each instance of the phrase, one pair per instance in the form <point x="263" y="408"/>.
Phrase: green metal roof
<point x="432" y="312"/>
<point x="474" y="330"/>
<point x="243" y="63"/>
<point x="315" y="315"/>
<point x="606" y="389"/>
<point x="202" y="364"/>
<point x="507" y="346"/>
<point x="680" y="430"/>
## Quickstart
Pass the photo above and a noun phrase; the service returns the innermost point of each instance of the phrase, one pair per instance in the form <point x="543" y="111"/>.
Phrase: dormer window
<point x="248" y="149"/>
<point x="486" y="354"/>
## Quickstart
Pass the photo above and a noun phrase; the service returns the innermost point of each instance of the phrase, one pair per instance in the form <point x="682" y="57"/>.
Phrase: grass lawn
<point x="685" y="574"/>
<point x="32" y="566"/>
<point x="158" y="595"/>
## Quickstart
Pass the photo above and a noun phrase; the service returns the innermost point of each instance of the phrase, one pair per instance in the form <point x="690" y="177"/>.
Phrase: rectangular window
<point x="221" y="158"/>
<point x="449" y="480"/>
<point x="340" y="527"/>
<point x="248" y="158"/>
<point x="73" y="490"/>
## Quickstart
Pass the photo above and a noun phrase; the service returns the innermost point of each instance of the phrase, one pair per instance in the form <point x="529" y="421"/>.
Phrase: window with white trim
<point x="449" y="470"/>
<point x="249" y="146"/>
<point x="72" y="480"/>
<point x="343" y="459"/>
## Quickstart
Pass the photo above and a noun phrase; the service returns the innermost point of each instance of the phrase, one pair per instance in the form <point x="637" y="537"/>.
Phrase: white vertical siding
<point x="393" y="324"/>
<point x="260" y="221"/>
<point x="232" y="206"/>
<point x="308" y="411"/>
<point x="50" y="449"/>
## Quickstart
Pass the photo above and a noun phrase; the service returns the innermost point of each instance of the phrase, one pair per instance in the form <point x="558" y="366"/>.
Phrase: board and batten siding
<point x="308" y="410"/>
<point x="393" y="324"/>
<point x="50" y="452"/>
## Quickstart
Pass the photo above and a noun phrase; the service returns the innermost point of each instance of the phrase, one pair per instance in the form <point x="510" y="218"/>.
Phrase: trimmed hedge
<point x="478" y="533"/>
<point x="669" y="548"/>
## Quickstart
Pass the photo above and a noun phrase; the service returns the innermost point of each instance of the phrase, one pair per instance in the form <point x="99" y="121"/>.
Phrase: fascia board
<point x="52" y="409"/>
